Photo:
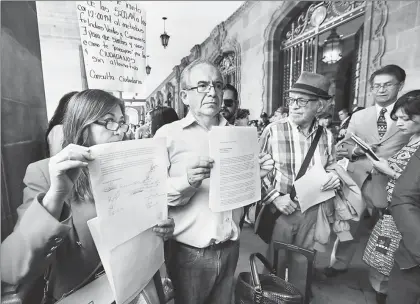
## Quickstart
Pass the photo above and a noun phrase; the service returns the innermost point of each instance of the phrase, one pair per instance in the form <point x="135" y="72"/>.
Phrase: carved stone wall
<point x="373" y="49"/>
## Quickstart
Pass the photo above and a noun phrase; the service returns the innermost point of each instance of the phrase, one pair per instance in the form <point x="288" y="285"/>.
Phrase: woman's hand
<point x="65" y="167"/>
<point x="266" y="164"/>
<point x="165" y="229"/>
<point x="381" y="166"/>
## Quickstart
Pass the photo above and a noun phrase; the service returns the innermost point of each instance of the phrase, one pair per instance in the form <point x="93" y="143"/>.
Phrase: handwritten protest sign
<point x="113" y="38"/>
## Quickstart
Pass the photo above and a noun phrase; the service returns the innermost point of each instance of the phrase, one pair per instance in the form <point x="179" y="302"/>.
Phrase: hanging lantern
<point x="332" y="49"/>
<point x="148" y="68"/>
<point x="164" y="37"/>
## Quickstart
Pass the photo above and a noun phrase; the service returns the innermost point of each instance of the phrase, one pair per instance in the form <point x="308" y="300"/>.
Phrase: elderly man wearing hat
<point x="288" y="141"/>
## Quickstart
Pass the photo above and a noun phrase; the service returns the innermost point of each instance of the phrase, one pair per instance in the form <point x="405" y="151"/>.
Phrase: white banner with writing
<point x="113" y="37"/>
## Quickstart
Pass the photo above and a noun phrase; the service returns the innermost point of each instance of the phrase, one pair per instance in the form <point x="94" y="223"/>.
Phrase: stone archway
<point x="132" y="114"/>
<point x="160" y="99"/>
<point x="152" y="103"/>
<point x="170" y="89"/>
<point x="376" y="13"/>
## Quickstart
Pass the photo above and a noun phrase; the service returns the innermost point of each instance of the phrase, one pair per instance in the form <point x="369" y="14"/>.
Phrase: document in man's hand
<point x="128" y="181"/>
<point x="364" y="146"/>
<point x="130" y="266"/>
<point x="308" y="188"/>
<point x="235" y="176"/>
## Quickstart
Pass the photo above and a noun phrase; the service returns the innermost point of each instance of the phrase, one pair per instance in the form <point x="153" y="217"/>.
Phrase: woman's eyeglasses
<point x="113" y="125"/>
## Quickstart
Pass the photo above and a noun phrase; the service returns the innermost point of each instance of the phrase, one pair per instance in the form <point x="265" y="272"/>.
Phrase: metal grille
<point x="300" y="40"/>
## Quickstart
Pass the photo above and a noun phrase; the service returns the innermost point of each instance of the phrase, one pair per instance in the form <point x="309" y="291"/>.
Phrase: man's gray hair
<point x="186" y="72"/>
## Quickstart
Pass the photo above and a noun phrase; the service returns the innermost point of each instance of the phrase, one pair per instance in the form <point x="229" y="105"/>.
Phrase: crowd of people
<point x="202" y="246"/>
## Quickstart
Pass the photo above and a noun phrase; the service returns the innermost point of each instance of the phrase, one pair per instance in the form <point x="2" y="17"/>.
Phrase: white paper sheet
<point x="344" y="162"/>
<point x="235" y="177"/>
<point x="308" y="187"/>
<point x="131" y="265"/>
<point x="98" y="291"/>
<point x="129" y="186"/>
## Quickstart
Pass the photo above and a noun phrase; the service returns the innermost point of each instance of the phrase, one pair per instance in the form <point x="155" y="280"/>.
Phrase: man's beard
<point x="226" y="113"/>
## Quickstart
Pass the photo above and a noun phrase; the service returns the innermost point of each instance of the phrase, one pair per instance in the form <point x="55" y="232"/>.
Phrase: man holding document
<point x="205" y="249"/>
<point x="288" y="141"/>
<point x="375" y="127"/>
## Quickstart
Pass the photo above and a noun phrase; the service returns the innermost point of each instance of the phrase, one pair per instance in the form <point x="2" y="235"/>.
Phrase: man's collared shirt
<point x="195" y="224"/>
<point x="288" y="146"/>
<point x="387" y="113"/>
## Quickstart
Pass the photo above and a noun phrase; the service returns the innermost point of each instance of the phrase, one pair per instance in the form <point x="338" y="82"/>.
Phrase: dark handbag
<point x="268" y="214"/>
<point x="254" y="288"/>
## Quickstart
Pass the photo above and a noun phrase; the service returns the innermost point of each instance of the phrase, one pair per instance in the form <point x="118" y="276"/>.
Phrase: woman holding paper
<point x="403" y="194"/>
<point x="51" y="232"/>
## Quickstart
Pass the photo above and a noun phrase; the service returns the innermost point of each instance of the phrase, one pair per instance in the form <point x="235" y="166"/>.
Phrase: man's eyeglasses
<point x="113" y="125"/>
<point x="385" y="86"/>
<point x="204" y="86"/>
<point x="301" y="102"/>
<point x="228" y="102"/>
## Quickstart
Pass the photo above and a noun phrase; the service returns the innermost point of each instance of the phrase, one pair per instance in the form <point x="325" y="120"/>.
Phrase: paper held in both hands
<point x="128" y="182"/>
<point x="235" y="176"/>
<point x="308" y="187"/>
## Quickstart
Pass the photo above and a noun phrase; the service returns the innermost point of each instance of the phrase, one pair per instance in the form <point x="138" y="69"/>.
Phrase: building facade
<point x="264" y="46"/>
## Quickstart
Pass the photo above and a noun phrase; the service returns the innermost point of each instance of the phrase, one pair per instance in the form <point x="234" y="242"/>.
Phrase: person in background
<point x="230" y="103"/>
<point x="161" y="116"/>
<point x="242" y="117"/>
<point x="281" y="112"/>
<point x="325" y="120"/>
<point x="130" y="134"/>
<point x="264" y="121"/>
<point x="375" y="126"/>
<point x="54" y="134"/>
<point x="144" y="131"/>
<point x="205" y="248"/>
<point x="403" y="196"/>
<point x="345" y="120"/>
<point x="51" y="230"/>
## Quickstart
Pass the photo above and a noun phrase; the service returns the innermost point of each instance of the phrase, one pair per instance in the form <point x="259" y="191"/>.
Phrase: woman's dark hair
<point x="161" y="116"/>
<point x="57" y="118"/>
<point x="83" y="109"/>
<point x="409" y="103"/>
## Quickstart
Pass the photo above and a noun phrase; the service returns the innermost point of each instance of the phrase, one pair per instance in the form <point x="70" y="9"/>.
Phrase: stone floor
<point x="349" y="288"/>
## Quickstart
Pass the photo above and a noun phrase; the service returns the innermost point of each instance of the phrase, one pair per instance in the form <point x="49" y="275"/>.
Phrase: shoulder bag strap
<point x="307" y="159"/>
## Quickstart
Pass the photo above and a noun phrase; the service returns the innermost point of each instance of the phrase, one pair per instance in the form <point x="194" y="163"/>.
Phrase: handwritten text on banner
<point x="113" y="37"/>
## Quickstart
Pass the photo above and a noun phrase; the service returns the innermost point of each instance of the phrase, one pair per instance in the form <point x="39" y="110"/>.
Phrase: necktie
<point x="382" y="123"/>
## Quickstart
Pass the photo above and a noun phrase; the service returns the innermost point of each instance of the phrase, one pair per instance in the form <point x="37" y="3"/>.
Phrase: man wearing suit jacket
<point x="375" y="126"/>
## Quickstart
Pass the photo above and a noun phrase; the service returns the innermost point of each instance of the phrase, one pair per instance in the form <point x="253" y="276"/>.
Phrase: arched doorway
<point x="295" y="41"/>
<point x="305" y="46"/>
<point x="132" y="115"/>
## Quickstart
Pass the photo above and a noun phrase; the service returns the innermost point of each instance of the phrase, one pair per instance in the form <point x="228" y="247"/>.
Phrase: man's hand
<point x="284" y="204"/>
<point x="198" y="170"/>
<point x="342" y="151"/>
<point x="266" y="164"/>
<point x="333" y="182"/>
